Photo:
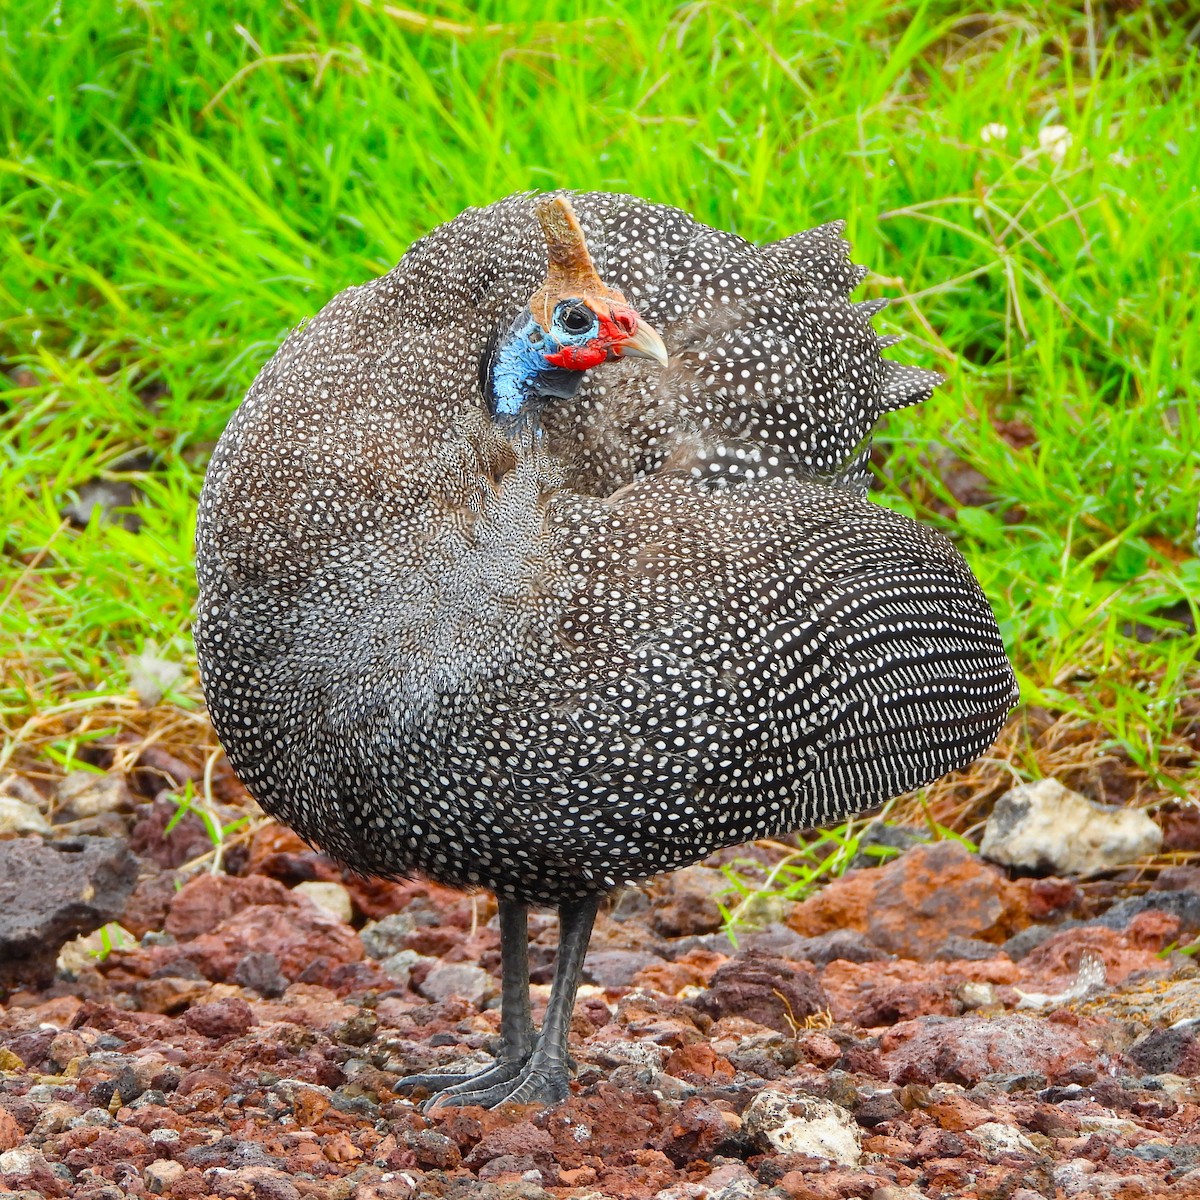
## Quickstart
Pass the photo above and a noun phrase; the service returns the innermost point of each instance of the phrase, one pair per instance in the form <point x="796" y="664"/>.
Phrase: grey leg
<point x="516" y="1023"/>
<point x="545" y="1077"/>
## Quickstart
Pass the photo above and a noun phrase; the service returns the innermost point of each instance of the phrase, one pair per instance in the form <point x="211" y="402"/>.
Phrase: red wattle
<point x="578" y="358"/>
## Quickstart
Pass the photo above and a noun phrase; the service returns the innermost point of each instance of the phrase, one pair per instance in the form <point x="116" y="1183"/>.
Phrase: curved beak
<point x="644" y="342"/>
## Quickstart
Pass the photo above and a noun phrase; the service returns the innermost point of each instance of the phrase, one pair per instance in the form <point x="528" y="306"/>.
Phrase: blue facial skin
<point x="520" y="376"/>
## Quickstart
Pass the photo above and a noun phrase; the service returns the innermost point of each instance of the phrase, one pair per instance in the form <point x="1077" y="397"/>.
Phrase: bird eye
<point x="574" y="318"/>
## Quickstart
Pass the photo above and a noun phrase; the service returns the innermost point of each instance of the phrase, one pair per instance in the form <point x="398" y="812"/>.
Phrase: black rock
<point x="52" y="892"/>
<point x="878" y="1108"/>
<point x="879" y="837"/>
<point x="259" y="970"/>
<point x="957" y="948"/>
<point x="1028" y="940"/>
<point x="616" y="968"/>
<point x="1165" y="1051"/>
<point x="849" y="945"/>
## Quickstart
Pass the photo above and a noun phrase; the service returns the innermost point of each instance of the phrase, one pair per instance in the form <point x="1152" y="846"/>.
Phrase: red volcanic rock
<point x="187" y="839"/>
<point x="698" y="1059"/>
<point x="1135" y="948"/>
<point x="911" y="906"/>
<point x="605" y="1125"/>
<point x="1049" y="897"/>
<point x="307" y="942"/>
<point x="151" y="900"/>
<point x="280" y="853"/>
<point x="834" y="1185"/>
<point x="687" y="902"/>
<point x="698" y="1128"/>
<point x="956" y="1113"/>
<point x="228" y="1017"/>
<point x="522" y="1141"/>
<point x="764" y="988"/>
<point x="207" y="900"/>
<point x="965" y="1049"/>
<point x="696" y="968"/>
<point x="11" y="1134"/>
<point x="883" y="993"/>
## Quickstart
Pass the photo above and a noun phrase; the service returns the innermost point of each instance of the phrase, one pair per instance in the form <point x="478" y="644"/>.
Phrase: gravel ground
<point x="928" y="1028"/>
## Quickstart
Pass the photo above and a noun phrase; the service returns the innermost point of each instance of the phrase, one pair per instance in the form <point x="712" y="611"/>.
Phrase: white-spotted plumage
<point x="672" y="624"/>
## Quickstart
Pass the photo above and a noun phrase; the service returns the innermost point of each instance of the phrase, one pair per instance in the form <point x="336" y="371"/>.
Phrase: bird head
<point x="573" y="322"/>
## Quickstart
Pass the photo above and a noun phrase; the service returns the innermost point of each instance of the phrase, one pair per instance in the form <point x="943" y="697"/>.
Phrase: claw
<point x="444" y="1086"/>
<point x="540" y="1080"/>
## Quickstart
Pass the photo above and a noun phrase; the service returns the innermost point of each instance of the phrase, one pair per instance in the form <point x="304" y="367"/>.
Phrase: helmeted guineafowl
<point x="470" y="611"/>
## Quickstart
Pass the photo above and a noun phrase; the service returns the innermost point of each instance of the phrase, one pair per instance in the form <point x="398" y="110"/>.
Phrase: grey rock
<point x="463" y="980"/>
<point x="879" y="837"/>
<point x="1185" y="905"/>
<point x="51" y="892"/>
<point x="231" y="1153"/>
<point x="616" y="968"/>
<point x="114" y="498"/>
<point x="398" y="967"/>
<point x="848" y="945"/>
<point x="1045" y="827"/>
<point x="260" y="971"/>
<point x="629" y="903"/>
<point x="385" y="937"/>
<point x="957" y="948"/>
<point x="1028" y="940"/>
<point x="1163" y="1051"/>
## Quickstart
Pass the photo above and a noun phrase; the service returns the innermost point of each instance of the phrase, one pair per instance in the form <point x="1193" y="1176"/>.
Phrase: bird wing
<point x="769" y="657"/>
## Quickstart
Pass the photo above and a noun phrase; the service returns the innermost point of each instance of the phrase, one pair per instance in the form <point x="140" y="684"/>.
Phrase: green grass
<point x="181" y="184"/>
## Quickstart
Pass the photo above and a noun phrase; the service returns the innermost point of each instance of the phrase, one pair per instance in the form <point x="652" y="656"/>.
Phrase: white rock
<point x="18" y="817"/>
<point x="732" y="1181"/>
<point x="19" y="788"/>
<point x="1044" y="826"/>
<point x="151" y="675"/>
<point x="87" y="950"/>
<point x="976" y="995"/>
<point x="794" y="1123"/>
<point x="332" y="897"/>
<point x="22" y="1161"/>
<point x="645" y="1055"/>
<point x="996" y="1139"/>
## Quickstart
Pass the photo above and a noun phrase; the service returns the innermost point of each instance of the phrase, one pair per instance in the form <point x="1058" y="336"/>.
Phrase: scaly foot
<point x="542" y="1079"/>
<point x="442" y="1085"/>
